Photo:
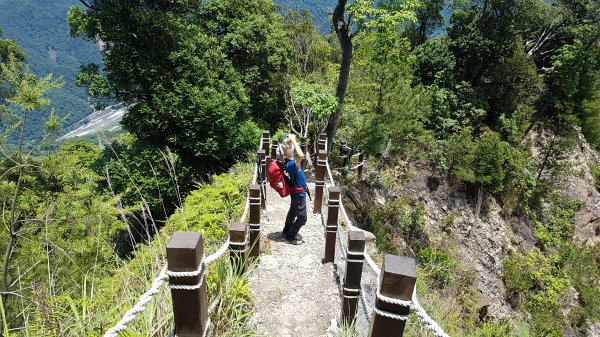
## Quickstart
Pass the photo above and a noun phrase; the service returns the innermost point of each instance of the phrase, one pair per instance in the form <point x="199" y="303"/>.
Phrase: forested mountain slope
<point x="319" y="9"/>
<point x="480" y="144"/>
<point x="40" y="28"/>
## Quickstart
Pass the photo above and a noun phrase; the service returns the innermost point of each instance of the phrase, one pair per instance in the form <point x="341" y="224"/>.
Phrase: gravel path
<point x="296" y="295"/>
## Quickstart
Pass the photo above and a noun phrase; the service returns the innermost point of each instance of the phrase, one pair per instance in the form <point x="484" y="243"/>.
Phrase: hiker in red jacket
<point x="296" y="217"/>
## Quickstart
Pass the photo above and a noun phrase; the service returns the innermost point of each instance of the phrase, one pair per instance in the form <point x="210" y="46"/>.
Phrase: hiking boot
<point x="297" y="240"/>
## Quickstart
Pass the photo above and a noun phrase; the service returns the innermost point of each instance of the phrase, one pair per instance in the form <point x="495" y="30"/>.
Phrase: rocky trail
<point x="295" y="294"/>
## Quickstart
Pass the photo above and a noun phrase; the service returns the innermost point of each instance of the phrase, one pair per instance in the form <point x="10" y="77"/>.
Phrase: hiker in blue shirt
<point x="296" y="217"/>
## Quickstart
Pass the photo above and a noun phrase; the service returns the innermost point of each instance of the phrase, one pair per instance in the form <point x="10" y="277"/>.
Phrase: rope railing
<point x="164" y="275"/>
<point x="413" y="304"/>
<point x="140" y="306"/>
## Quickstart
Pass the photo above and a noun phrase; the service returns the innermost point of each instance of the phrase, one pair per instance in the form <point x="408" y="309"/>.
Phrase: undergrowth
<point x="541" y="281"/>
<point x="209" y="209"/>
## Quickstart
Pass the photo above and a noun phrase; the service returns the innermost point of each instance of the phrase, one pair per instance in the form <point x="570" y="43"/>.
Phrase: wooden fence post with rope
<point x="266" y="137"/>
<point x="185" y="253"/>
<point x="322" y="142"/>
<point x="320" y="180"/>
<point x="394" y="293"/>
<point x="254" y="220"/>
<point x="353" y="275"/>
<point x="361" y="162"/>
<point x="266" y="146"/>
<point x="274" y="145"/>
<point x="262" y="179"/>
<point x="333" y="207"/>
<point x="238" y="246"/>
<point x="304" y="147"/>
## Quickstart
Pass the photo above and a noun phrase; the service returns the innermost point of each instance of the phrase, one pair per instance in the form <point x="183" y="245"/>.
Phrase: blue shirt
<point x="296" y="175"/>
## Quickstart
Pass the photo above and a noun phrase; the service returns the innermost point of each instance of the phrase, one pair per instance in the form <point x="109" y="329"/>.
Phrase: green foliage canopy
<point x="178" y="75"/>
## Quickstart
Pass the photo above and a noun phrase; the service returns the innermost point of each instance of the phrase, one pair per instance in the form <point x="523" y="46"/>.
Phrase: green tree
<point x="310" y="50"/>
<point x="483" y="162"/>
<point x="183" y="90"/>
<point x="8" y="49"/>
<point x="539" y="286"/>
<point x="380" y="92"/>
<point x="10" y="52"/>
<point x="429" y="17"/>
<point x="382" y="16"/>
<point x="252" y="37"/>
<point x="56" y="228"/>
<point x="28" y="97"/>
<point x="309" y="106"/>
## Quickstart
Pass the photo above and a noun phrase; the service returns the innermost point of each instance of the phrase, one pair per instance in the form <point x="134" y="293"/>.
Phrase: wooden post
<point x="304" y="148"/>
<point x="345" y="156"/>
<point x="354" y="266"/>
<point x="261" y="178"/>
<point x="274" y="145"/>
<point x="396" y="282"/>
<point x="322" y="142"/>
<point x="265" y="146"/>
<point x="266" y="136"/>
<point x="332" y="222"/>
<point x="190" y="308"/>
<point x="255" y="201"/>
<point x="319" y="181"/>
<point x="238" y="246"/>
<point x="267" y="163"/>
<point x="361" y="159"/>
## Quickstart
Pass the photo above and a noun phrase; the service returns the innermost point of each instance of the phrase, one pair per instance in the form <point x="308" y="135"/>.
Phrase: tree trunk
<point x="12" y="230"/>
<point x="546" y="157"/>
<point x="384" y="157"/>
<point x="479" y="201"/>
<point x="343" y="34"/>
<point x="422" y="33"/>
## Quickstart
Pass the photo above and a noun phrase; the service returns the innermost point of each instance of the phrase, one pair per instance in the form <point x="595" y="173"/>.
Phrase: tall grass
<point x="231" y="316"/>
<point x="4" y="322"/>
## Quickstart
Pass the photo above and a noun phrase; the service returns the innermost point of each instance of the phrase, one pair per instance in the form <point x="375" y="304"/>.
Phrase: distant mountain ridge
<point x="40" y="28"/>
<point x="319" y="9"/>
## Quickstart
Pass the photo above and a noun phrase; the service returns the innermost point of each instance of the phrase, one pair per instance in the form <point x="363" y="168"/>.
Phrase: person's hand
<point x="292" y="136"/>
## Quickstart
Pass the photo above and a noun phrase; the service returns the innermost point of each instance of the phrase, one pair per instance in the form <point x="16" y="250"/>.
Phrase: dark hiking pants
<point x="296" y="217"/>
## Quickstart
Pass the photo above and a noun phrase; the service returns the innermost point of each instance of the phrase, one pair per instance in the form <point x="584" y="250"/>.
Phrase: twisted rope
<point x="198" y="272"/>
<point x="358" y="165"/>
<point x="214" y="304"/>
<point x="164" y="274"/>
<point x="390" y="314"/>
<point x="140" y="306"/>
<point x="188" y="287"/>
<point x="368" y="257"/>
<point x="413" y="304"/>
<point x="391" y="300"/>
<point x="424" y="318"/>
<point x="365" y="303"/>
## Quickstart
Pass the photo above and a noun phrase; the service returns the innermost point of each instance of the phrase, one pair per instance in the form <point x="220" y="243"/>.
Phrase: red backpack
<point x="280" y="182"/>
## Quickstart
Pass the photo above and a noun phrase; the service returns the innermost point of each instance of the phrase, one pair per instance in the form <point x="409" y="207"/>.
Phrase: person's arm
<point x="299" y="153"/>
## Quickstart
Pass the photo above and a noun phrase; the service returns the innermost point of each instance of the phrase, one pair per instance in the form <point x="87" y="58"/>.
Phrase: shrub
<point x="447" y="223"/>
<point x="559" y="227"/>
<point x="538" y="285"/>
<point x="437" y="265"/>
<point x="595" y="170"/>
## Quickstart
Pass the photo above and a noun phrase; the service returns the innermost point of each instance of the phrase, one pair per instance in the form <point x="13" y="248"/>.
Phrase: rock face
<point x="482" y="244"/>
<point x="581" y="187"/>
